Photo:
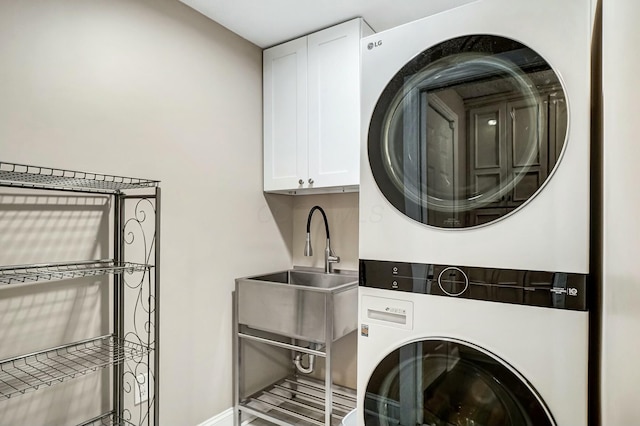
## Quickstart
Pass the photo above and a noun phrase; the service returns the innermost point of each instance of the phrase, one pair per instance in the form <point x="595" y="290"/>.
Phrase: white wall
<point x="152" y="89"/>
<point x="621" y="322"/>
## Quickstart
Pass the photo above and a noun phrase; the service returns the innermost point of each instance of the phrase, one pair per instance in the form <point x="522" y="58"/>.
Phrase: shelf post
<point x="118" y="296"/>
<point x="328" y="379"/>
<point x="156" y="294"/>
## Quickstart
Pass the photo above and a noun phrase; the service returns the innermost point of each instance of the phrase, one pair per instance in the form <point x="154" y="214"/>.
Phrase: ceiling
<point x="270" y="22"/>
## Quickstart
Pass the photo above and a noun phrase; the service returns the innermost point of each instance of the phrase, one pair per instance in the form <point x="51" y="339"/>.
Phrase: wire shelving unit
<point x="132" y="344"/>
<point x="25" y="176"/>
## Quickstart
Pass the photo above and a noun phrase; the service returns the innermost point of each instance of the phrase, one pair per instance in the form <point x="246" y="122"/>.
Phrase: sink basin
<point x="318" y="280"/>
<point x="306" y="305"/>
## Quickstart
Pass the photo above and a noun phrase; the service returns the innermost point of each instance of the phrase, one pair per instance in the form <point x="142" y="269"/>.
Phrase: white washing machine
<point x="438" y="361"/>
<point x="474" y="217"/>
<point x="476" y="137"/>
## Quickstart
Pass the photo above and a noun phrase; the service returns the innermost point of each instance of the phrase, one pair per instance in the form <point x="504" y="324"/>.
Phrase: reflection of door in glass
<point x="409" y="379"/>
<point x="488" y="150"/>
<point x="440" y="137"/>
<point x="510" y="146"/>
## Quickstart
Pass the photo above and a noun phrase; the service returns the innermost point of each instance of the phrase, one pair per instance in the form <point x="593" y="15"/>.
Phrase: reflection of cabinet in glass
<point x="513" y="141"/>
<point x="130" y="347"/>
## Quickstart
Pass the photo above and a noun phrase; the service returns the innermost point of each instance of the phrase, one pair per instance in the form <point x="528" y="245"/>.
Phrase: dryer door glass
<point x="449" y="382"/>
<point x="468" y="131"/>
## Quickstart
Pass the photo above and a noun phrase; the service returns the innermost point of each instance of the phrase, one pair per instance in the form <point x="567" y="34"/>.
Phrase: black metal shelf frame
<point x="108" y="419"/>
<point x="133" y="343"/>
<point x="26" y="176"/>
<point x="18" y="274"/>
<point x="49" y="367"/>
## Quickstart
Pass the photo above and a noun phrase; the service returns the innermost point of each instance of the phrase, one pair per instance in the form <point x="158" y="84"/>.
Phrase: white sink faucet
<point x="329" y="256"/>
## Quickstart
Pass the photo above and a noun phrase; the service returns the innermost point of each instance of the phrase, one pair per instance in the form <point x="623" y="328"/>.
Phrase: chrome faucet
<point x="329" y="256"/>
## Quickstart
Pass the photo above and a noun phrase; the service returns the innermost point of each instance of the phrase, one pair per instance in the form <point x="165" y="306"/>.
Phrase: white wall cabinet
<point x="312" y="111"/>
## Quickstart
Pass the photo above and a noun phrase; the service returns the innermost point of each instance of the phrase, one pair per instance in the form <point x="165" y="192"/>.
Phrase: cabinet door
<point x="285" y="115"/>
<point x="334" y="108"/>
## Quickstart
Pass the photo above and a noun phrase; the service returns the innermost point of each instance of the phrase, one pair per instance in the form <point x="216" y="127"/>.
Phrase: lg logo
<point x="374" y="44"/>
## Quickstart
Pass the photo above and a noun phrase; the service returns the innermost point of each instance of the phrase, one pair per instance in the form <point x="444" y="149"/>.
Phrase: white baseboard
<point x="223" y="419"/>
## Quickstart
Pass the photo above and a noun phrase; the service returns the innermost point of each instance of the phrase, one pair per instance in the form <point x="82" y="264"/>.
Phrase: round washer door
<point x="468" y="131"/>
<point x="444" y="382"/>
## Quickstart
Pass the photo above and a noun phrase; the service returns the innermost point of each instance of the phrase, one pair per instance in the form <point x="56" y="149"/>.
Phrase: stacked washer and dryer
<point x="474" y="217"/>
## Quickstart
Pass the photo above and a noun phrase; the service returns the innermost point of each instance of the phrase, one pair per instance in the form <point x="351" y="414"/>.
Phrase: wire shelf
<point x="25" y="176"/>
<point x="109" y="419"/>
<point x="34" y="371"/>
<point x="297" y="399"/>
<point x="58" y="271"/>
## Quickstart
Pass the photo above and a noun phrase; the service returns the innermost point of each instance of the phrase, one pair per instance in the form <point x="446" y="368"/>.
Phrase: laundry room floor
<point x="260" y="422"/>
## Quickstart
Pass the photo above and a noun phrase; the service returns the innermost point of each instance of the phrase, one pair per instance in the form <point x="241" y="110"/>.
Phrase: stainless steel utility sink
<point x="301" y="304"/>
<point x="305" y="278"/>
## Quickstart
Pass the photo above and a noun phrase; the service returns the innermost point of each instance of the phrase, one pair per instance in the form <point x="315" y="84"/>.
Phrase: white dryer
<point x="439" y="361"/>
<point x="476" y="130"/>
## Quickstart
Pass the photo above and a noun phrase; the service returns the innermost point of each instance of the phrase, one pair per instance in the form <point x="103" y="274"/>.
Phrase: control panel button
<point x="453" y="281"/>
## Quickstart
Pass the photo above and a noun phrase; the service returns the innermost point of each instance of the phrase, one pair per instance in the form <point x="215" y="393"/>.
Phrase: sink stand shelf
<point x="295" y="399"/>
<point x="299" y="399"/>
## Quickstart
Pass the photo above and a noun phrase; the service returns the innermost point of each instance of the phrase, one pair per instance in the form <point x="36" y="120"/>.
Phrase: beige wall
<point x="621" y="275"/>
<point x="342" y="215"/>
<point x="147" y="88"/>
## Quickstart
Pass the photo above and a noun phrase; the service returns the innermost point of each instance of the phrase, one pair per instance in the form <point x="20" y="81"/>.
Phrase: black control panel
<point x="535" y="288"/>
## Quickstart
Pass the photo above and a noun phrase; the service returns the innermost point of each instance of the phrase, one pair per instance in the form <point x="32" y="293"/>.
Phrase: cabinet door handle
<point x="300" y="182"/>
<point x="310" y="181"/>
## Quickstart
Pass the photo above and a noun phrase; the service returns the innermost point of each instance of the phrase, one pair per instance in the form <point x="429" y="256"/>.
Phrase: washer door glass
<point x="468" y="131"/>
<point x="449" y="382"/>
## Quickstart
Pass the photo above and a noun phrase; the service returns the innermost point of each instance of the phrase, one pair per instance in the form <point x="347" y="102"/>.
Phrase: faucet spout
<point x="329" y="256"/>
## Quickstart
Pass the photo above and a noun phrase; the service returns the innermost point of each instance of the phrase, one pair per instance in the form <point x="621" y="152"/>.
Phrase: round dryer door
<point x="449" y="382"/>
<point x="468" y="131"/>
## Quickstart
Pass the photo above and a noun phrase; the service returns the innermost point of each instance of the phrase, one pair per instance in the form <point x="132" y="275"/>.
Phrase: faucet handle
<point x="330" y="259"/>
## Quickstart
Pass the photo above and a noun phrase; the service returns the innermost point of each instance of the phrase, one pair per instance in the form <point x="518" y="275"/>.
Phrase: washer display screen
<point x="448" y="382"/>
<point x="468" y="131"/>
